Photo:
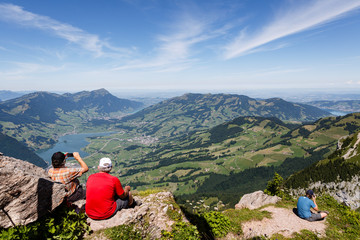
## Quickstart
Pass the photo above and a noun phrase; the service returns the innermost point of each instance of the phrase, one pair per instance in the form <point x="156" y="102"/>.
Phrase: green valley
<point x="230" y="159"/>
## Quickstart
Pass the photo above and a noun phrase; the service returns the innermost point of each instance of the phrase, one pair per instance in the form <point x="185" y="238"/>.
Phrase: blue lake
<point x="70" y="143"/>
<point x="338" y="113"/>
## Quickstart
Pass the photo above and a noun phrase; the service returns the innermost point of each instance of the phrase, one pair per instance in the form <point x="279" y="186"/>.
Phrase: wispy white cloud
<point x="276" y="71"/>
<point x="289" y="21"/>
<point x="90" y="42"/>
<point x="177" y="50"/>
<point x="25" y="68"/>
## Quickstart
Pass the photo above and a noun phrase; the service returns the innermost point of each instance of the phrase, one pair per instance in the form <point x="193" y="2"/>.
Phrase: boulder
<point x="151" y="217"/>
<point x="26" y="192"/>
<point x="256" y="200"/>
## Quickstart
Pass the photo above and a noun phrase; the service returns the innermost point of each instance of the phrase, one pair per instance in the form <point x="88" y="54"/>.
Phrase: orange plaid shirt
<point x="67" y="176"/>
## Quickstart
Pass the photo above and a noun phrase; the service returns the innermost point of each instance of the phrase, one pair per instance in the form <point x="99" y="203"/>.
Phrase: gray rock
<point x="256" y="200"/>
<point x="345" y="192"/>
<point x="26" y="192"/>
<point x="150" y="218"/>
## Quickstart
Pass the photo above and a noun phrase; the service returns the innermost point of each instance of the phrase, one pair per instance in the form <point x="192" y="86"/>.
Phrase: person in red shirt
<point x="105" y="194"/>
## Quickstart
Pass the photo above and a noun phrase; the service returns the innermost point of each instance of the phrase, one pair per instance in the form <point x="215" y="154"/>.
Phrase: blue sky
<point x="64" y="45"/>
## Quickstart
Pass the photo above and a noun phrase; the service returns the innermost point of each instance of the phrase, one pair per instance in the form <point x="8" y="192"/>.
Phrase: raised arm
<point x="83" y="165"/>
<point x="314" y="200"/>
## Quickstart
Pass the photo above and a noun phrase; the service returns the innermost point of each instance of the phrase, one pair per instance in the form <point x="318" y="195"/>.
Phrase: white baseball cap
<point x="105" y="162"/>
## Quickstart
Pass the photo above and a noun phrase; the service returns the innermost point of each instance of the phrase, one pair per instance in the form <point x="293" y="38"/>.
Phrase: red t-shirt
<point x="101" y="190"/>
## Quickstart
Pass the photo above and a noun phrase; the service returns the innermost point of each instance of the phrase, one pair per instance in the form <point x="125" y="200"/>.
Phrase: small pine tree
<point x="274" y="186"/>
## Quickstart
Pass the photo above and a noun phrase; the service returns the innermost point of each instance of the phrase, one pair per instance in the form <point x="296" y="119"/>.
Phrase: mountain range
<point x="6" y="95"/>
<point x="38" y="119"/>
<point x="202" y="111"/>
<point x="46" y="107"/>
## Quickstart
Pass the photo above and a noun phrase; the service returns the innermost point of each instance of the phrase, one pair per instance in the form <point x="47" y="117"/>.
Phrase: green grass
<point x="238" y="216"/>
<point x="147" y="192"/>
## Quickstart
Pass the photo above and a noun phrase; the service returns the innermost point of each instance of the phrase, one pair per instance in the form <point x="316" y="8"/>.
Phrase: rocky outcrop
<point x="352" y="151"/>
<point x="256" y="200"/>
<point x="346" y="192"/>
<point x="26" y="192"/>
<point x="151" y="217"/>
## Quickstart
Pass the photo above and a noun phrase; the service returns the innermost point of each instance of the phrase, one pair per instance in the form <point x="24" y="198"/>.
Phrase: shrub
<point x="181" y="231"/>
<point x="219" y="224"/>
<point x="63" y="223"/>
<point x="174" y="213"/>
<point x="274" y="187"/>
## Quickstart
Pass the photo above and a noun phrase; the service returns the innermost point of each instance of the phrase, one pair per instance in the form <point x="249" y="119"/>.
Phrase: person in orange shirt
<point x="68" y="176"/>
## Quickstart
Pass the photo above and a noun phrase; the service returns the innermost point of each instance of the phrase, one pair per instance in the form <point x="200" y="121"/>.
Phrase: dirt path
<point x="283" y="221"/>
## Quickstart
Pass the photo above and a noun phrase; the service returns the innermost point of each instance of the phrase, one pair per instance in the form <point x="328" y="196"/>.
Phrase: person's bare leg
<point x="131" y="199"/>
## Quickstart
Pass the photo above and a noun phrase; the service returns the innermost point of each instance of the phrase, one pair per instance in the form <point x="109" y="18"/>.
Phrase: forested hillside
<point x="12" y="148"/>
<point x="342" y="165"/>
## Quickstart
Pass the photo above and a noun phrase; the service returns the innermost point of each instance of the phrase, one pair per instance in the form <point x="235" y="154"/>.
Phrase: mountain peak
<point x="101" y="91"/>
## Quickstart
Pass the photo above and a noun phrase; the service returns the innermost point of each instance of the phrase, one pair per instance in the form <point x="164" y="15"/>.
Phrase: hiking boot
<point x="135" y="203"/>
<point x="138" y="202"/>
